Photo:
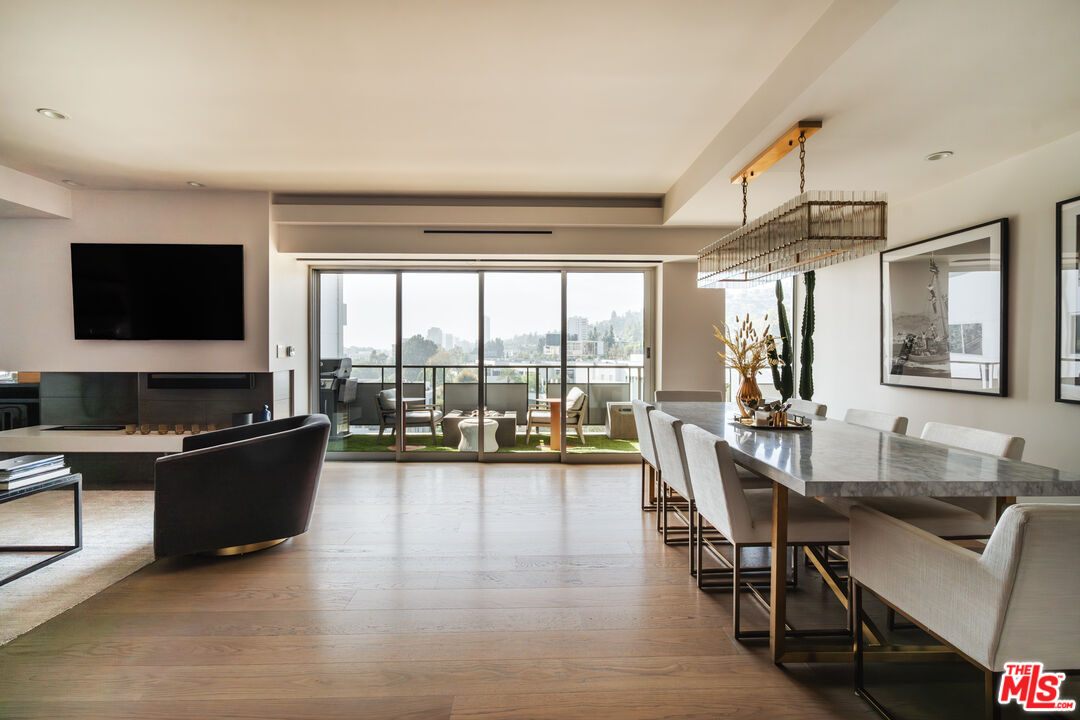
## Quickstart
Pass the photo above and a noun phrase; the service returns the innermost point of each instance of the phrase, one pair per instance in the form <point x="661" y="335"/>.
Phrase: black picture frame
<point x="937" y="357"/>
<point x="1067" y="311"/>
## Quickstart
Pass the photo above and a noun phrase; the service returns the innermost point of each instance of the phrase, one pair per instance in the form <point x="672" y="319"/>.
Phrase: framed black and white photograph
<point x="943" y="311"/>
<point x="1067" y="353"/>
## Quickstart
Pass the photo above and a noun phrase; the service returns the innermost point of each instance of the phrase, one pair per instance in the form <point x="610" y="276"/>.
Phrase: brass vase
<point x="749" y="396"/>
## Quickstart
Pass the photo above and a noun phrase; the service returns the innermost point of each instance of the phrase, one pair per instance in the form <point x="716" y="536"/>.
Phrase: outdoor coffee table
<point x="73" y="481"/>
<point x="505" y="434"/>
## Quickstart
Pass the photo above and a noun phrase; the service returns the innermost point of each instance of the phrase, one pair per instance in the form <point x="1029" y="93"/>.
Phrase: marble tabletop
<point x="40" y="439"/>
<point x="835" y="458"/>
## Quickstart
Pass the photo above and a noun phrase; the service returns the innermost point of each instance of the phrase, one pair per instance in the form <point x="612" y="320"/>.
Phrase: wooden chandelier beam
<point x="780" y="147"/>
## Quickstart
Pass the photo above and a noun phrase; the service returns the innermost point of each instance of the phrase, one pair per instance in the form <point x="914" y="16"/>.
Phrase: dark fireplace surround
<point x="81" y="398"/>
<point x="93" y="398"/>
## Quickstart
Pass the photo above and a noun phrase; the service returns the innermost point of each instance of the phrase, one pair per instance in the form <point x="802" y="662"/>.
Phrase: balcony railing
<point x="508" y="386"/>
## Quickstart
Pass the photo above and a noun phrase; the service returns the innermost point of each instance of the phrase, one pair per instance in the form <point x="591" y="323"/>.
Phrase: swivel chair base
<point x="244" y="549"/>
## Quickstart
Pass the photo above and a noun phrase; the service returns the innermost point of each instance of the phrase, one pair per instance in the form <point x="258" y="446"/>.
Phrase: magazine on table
<point x="23" y="463"/>
<point x="34" y="479"/>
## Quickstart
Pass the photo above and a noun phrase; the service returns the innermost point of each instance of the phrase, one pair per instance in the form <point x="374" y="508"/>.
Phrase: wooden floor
<point x="424" y="590"/>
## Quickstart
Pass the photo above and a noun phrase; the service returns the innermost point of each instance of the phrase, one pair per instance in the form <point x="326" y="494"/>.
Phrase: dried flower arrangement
<point x="748" y="351"/>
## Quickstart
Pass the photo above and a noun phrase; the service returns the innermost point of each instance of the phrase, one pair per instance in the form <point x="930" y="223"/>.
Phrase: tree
<point x="609" y="336"/>
<point x="417" y="350"/>
<point x="494" y="348"/>
<point x="444" y="357"/>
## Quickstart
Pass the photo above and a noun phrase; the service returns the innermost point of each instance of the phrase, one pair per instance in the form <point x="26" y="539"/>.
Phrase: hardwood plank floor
<point x="426" y="591"/>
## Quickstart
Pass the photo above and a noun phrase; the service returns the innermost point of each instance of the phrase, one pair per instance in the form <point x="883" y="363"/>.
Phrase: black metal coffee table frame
<point x="74" y="481"/>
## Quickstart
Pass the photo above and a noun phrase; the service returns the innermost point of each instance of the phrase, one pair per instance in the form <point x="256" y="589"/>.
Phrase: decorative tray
<point x="748" y="423"/>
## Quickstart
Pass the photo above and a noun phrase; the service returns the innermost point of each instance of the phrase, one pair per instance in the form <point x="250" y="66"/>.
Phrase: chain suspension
<point x="802" y="163"/>
<point x="745" y="184"/>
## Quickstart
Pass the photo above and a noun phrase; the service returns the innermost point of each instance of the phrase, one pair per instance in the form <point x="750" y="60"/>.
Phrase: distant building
<point x="584" y="348"/>
<point x="449" y="338"/>
<point x="487" y="328"/>
<point x="435" y="335"/>
<point x="577" y="328"/>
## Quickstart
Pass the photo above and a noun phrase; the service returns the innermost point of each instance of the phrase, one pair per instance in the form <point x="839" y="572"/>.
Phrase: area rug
<point x="118" y="539"/>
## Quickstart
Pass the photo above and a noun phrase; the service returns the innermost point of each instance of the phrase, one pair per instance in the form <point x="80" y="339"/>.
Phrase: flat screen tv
<point x="157" y="292"/>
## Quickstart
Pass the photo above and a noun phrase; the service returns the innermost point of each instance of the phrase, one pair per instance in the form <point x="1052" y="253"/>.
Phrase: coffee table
<point x="505" y="434"/>
<point x="73" y="481"/>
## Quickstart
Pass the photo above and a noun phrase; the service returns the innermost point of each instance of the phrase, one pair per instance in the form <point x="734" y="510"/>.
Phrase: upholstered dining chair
<point x="415" y="416"/>
<point x="674" y="478"/>
<point x="953" y="518"/>
<point x="1017" y="601"/>
<point x="750" y="478"/>
<point x="744" y="517"/>
<point x="690" y="396"/>
<point x="539" y="415"/>
<point x="877" y="420"/>
<point x="649" y="464"/>
<point x="807" y="408"/>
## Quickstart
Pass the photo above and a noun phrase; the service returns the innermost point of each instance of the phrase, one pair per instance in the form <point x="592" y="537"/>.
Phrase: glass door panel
<point x="605" y="359"/>
<point x="522" y="358"/>
<point x="356" y="346"/>
<point x="439" y="360"/>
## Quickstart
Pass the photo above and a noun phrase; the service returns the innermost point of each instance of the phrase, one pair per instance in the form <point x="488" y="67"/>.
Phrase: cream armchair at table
<point x="416" y="414"/>
<point x="539" y="415"/>
<point x="1017" y="601"/>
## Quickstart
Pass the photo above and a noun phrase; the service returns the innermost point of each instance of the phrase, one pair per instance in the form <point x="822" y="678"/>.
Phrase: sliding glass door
<point x="605" y="359"/>
<point x="357" y="371"/>
<point x="522" y="360"/>
<point x="467" y="364"/>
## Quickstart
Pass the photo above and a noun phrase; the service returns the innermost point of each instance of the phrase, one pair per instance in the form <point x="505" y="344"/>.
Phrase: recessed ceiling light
<point x="192" y="183"/>
<point x="73" y="183"/>
<point x="939" y="155"/>
<point x="53" y="114"/>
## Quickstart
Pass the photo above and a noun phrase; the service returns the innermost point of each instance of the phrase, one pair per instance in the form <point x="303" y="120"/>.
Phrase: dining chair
<point x="952" y="518"/>
<point x="807" y="408"/>
<point x="690" y="396"/>
<point x="877" y="420"/>
<point x="750" y="478"/>
<point x="1017" y="601"/>
<point x="744" y="517"/>
<point x="674" y="477"/>
<point x="649" y="464"/>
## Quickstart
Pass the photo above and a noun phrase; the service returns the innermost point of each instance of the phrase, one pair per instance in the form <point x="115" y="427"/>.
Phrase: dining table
<point x="832" y="458"/>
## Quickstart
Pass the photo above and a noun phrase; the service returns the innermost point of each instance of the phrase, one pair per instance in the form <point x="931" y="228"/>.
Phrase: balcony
<point x="508" y="387"/>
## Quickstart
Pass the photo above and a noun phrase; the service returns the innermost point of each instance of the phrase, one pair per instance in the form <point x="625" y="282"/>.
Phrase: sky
<point x="516" y="302"/>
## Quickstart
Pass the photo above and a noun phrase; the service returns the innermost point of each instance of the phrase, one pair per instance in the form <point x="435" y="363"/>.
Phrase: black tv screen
<point x="157" y="292"/>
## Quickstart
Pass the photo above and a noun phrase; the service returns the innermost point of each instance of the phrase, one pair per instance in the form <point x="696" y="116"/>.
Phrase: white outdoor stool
<point x="469" y="429"/>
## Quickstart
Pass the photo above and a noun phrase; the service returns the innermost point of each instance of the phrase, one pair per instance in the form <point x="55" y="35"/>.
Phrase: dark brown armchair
<point x="239" y="489"/>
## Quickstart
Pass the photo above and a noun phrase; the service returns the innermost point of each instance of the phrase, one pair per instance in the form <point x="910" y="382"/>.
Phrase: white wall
<point x="36" y="327"/>
<point x="686" y="357"/>
<point x="289" y="313"/>
<point x="1025" y="189"/>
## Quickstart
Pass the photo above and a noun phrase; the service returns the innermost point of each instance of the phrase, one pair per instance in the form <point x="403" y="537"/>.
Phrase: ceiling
<point x="600" y="97"/>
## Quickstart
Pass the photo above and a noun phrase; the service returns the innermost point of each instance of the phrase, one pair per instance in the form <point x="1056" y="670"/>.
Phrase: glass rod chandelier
<point x="813" y="230"/>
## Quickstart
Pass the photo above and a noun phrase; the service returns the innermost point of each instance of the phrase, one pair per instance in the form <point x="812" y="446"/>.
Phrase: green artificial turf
<point x="422" y="443"/>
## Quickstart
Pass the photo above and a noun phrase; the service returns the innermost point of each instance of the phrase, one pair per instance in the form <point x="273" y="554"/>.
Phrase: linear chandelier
<point x="813" y="230"/>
